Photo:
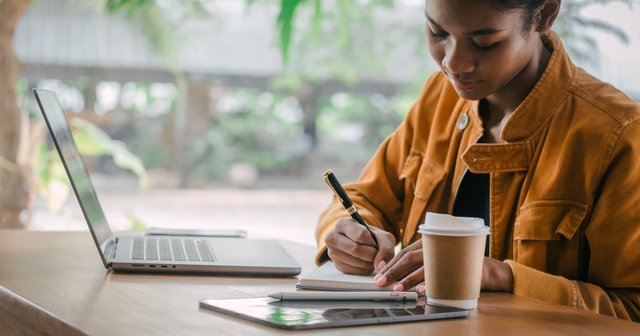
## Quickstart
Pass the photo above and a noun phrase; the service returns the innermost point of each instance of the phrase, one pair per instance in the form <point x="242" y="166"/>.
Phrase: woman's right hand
<point x="352" y="249"/>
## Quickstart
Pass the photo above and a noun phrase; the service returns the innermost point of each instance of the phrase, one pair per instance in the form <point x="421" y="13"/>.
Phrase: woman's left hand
<point x="406" y="271"/>
<point x="496" y="276"/>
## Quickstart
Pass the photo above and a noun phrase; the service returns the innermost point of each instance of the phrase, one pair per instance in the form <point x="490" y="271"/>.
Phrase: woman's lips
<point x="464" y="85"/>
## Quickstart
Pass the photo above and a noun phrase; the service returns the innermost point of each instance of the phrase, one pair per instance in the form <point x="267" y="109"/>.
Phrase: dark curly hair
<point x="530" y="8"/>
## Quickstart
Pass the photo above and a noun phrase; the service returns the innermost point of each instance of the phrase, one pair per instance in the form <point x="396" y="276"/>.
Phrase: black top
<point x="472" y="199"/>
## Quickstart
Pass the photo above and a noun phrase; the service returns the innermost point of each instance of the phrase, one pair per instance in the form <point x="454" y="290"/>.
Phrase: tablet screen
<point x="325" y="314"/>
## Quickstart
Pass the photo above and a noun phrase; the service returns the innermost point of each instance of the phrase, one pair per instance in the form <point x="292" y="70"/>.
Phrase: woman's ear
<point x="547" y="15"/>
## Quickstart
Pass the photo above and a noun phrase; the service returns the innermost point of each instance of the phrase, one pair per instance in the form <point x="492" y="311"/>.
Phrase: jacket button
<point x="463" y="121"/>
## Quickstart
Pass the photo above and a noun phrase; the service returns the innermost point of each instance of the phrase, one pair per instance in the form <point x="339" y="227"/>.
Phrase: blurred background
<point x="224" y="113"/>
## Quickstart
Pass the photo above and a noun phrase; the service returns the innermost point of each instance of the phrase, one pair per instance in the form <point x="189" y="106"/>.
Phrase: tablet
<point x="299" y="315"/>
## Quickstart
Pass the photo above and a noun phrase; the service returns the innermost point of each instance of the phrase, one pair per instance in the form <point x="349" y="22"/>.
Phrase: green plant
<point x="51" y="180"/>
<point x="572" y="25"/>
<point x="92" y="141"/>
<point x="257" y="128"/>
<point x="577" y="30"/>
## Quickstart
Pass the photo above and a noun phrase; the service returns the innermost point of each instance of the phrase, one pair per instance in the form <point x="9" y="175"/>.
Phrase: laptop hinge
<point x="110" y="249"/>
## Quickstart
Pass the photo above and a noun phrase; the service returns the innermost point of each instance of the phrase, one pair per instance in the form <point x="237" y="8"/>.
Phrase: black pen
<point x="342" y="196"/>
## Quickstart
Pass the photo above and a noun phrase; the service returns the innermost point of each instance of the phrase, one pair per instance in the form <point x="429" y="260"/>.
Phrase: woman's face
<point x="480" y="49"/>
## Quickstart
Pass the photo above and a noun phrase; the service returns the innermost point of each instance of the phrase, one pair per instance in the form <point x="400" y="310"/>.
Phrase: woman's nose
<point x="458" y="60"/>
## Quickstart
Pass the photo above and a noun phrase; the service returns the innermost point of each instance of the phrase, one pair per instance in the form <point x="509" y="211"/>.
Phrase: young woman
<point x="512" y="131"/>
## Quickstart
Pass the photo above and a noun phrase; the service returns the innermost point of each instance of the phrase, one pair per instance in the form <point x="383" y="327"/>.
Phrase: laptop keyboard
<point x="171" y="249"/>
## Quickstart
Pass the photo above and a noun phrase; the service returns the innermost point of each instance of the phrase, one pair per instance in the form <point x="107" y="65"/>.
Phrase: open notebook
<point x="327" y="277"/>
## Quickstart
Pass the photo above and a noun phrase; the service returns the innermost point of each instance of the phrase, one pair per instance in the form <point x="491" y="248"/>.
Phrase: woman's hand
<point x="406" y="268"/>
<point x="406" y="271"/>
<point x="496" y="276"/>
<point x="353" y="251"/>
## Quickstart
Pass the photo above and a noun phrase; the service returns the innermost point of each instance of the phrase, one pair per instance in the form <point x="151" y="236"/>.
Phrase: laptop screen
<point x="75" y="168"/>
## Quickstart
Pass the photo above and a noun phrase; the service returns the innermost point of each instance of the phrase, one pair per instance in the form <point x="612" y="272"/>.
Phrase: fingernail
<point x="381" y="264"/>
<point x="398" y="288"/>
<point x="382" y="280"/>
<point x="420" y="289"/>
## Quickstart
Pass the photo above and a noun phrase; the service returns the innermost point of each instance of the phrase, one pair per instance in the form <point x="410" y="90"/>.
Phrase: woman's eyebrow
<point x="483" y="31"/>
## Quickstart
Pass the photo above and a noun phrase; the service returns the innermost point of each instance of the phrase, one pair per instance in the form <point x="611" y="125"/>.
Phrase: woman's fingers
<point x="416" y="246"/>
<point x="337" y="240"/>
<point x="350" y="264"/>
<point x="352" y="248"/>
<point x="386" y="245"/>
<point x="410" y="281"/>
<point x="405" y="268"/>
<point x="354" y="231"/>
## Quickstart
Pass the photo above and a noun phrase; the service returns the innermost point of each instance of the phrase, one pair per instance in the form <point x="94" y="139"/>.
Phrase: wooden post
<point x="14" y="175"/>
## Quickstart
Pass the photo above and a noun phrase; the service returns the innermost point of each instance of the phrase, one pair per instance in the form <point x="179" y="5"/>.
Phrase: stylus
<point x="345" y="296"/>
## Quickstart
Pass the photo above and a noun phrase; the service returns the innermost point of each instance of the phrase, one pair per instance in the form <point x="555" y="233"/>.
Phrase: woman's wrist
<point x="506" y="280"/>
<point x="497" y="276"/>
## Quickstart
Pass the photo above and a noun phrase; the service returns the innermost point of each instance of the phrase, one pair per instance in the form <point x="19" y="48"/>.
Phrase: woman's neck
<point x="497" y="108"/>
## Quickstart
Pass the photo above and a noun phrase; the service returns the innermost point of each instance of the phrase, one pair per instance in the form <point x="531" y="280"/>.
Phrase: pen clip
<point x="325" y="176"/>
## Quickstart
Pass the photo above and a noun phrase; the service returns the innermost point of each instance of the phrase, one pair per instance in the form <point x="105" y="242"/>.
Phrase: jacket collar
<point x="543" y="99"/>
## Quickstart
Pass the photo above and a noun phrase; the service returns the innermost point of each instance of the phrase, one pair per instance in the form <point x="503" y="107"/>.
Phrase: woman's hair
<point x="530" y="8"/>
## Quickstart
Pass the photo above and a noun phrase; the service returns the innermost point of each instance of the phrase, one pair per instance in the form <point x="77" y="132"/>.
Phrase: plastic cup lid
<point x="447" y="225"/>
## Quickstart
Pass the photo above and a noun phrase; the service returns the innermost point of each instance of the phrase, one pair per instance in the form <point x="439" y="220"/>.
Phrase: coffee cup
<point x="453" y="251"/>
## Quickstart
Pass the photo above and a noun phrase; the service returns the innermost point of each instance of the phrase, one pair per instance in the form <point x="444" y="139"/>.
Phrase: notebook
<point x="166" y="254"/>
<point x="328" y="277"/>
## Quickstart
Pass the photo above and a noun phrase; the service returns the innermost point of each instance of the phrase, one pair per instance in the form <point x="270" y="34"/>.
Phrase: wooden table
<point x="54" y="283"/>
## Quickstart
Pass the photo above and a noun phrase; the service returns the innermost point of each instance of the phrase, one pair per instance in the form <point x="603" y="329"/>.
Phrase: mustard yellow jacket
<point x="564" y="185"/>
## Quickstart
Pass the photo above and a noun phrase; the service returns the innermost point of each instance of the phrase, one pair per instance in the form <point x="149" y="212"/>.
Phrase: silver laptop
<point x="165" y="254"/>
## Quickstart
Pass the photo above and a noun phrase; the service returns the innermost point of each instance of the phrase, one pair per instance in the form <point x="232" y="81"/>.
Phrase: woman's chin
<point x="471" y="94"/>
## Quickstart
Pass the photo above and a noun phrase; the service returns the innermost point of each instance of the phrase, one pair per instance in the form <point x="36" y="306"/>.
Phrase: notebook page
<point x="327" y="277"/>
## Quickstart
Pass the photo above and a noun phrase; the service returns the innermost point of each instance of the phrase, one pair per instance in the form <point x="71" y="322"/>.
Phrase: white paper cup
<point x="453" y="251"/>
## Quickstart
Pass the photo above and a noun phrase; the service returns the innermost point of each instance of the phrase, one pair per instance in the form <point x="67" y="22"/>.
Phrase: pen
<point x="331" y="180"/>
<point x="345" y="296"/>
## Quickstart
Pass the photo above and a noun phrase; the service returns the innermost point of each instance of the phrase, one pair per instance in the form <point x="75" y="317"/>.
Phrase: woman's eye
<point x="437" y="34"/>
<point x="486" y="46"/>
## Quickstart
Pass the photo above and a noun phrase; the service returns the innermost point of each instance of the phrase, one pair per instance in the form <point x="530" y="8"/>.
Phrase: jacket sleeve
<point x="376" y="208"/>
<point x="613" y="237"/>
<point x="619" y="302"/>
<point x="379" y="192"/>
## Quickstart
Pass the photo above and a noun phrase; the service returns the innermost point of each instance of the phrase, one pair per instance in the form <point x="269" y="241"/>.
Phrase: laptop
<point x="157" y="254"/>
